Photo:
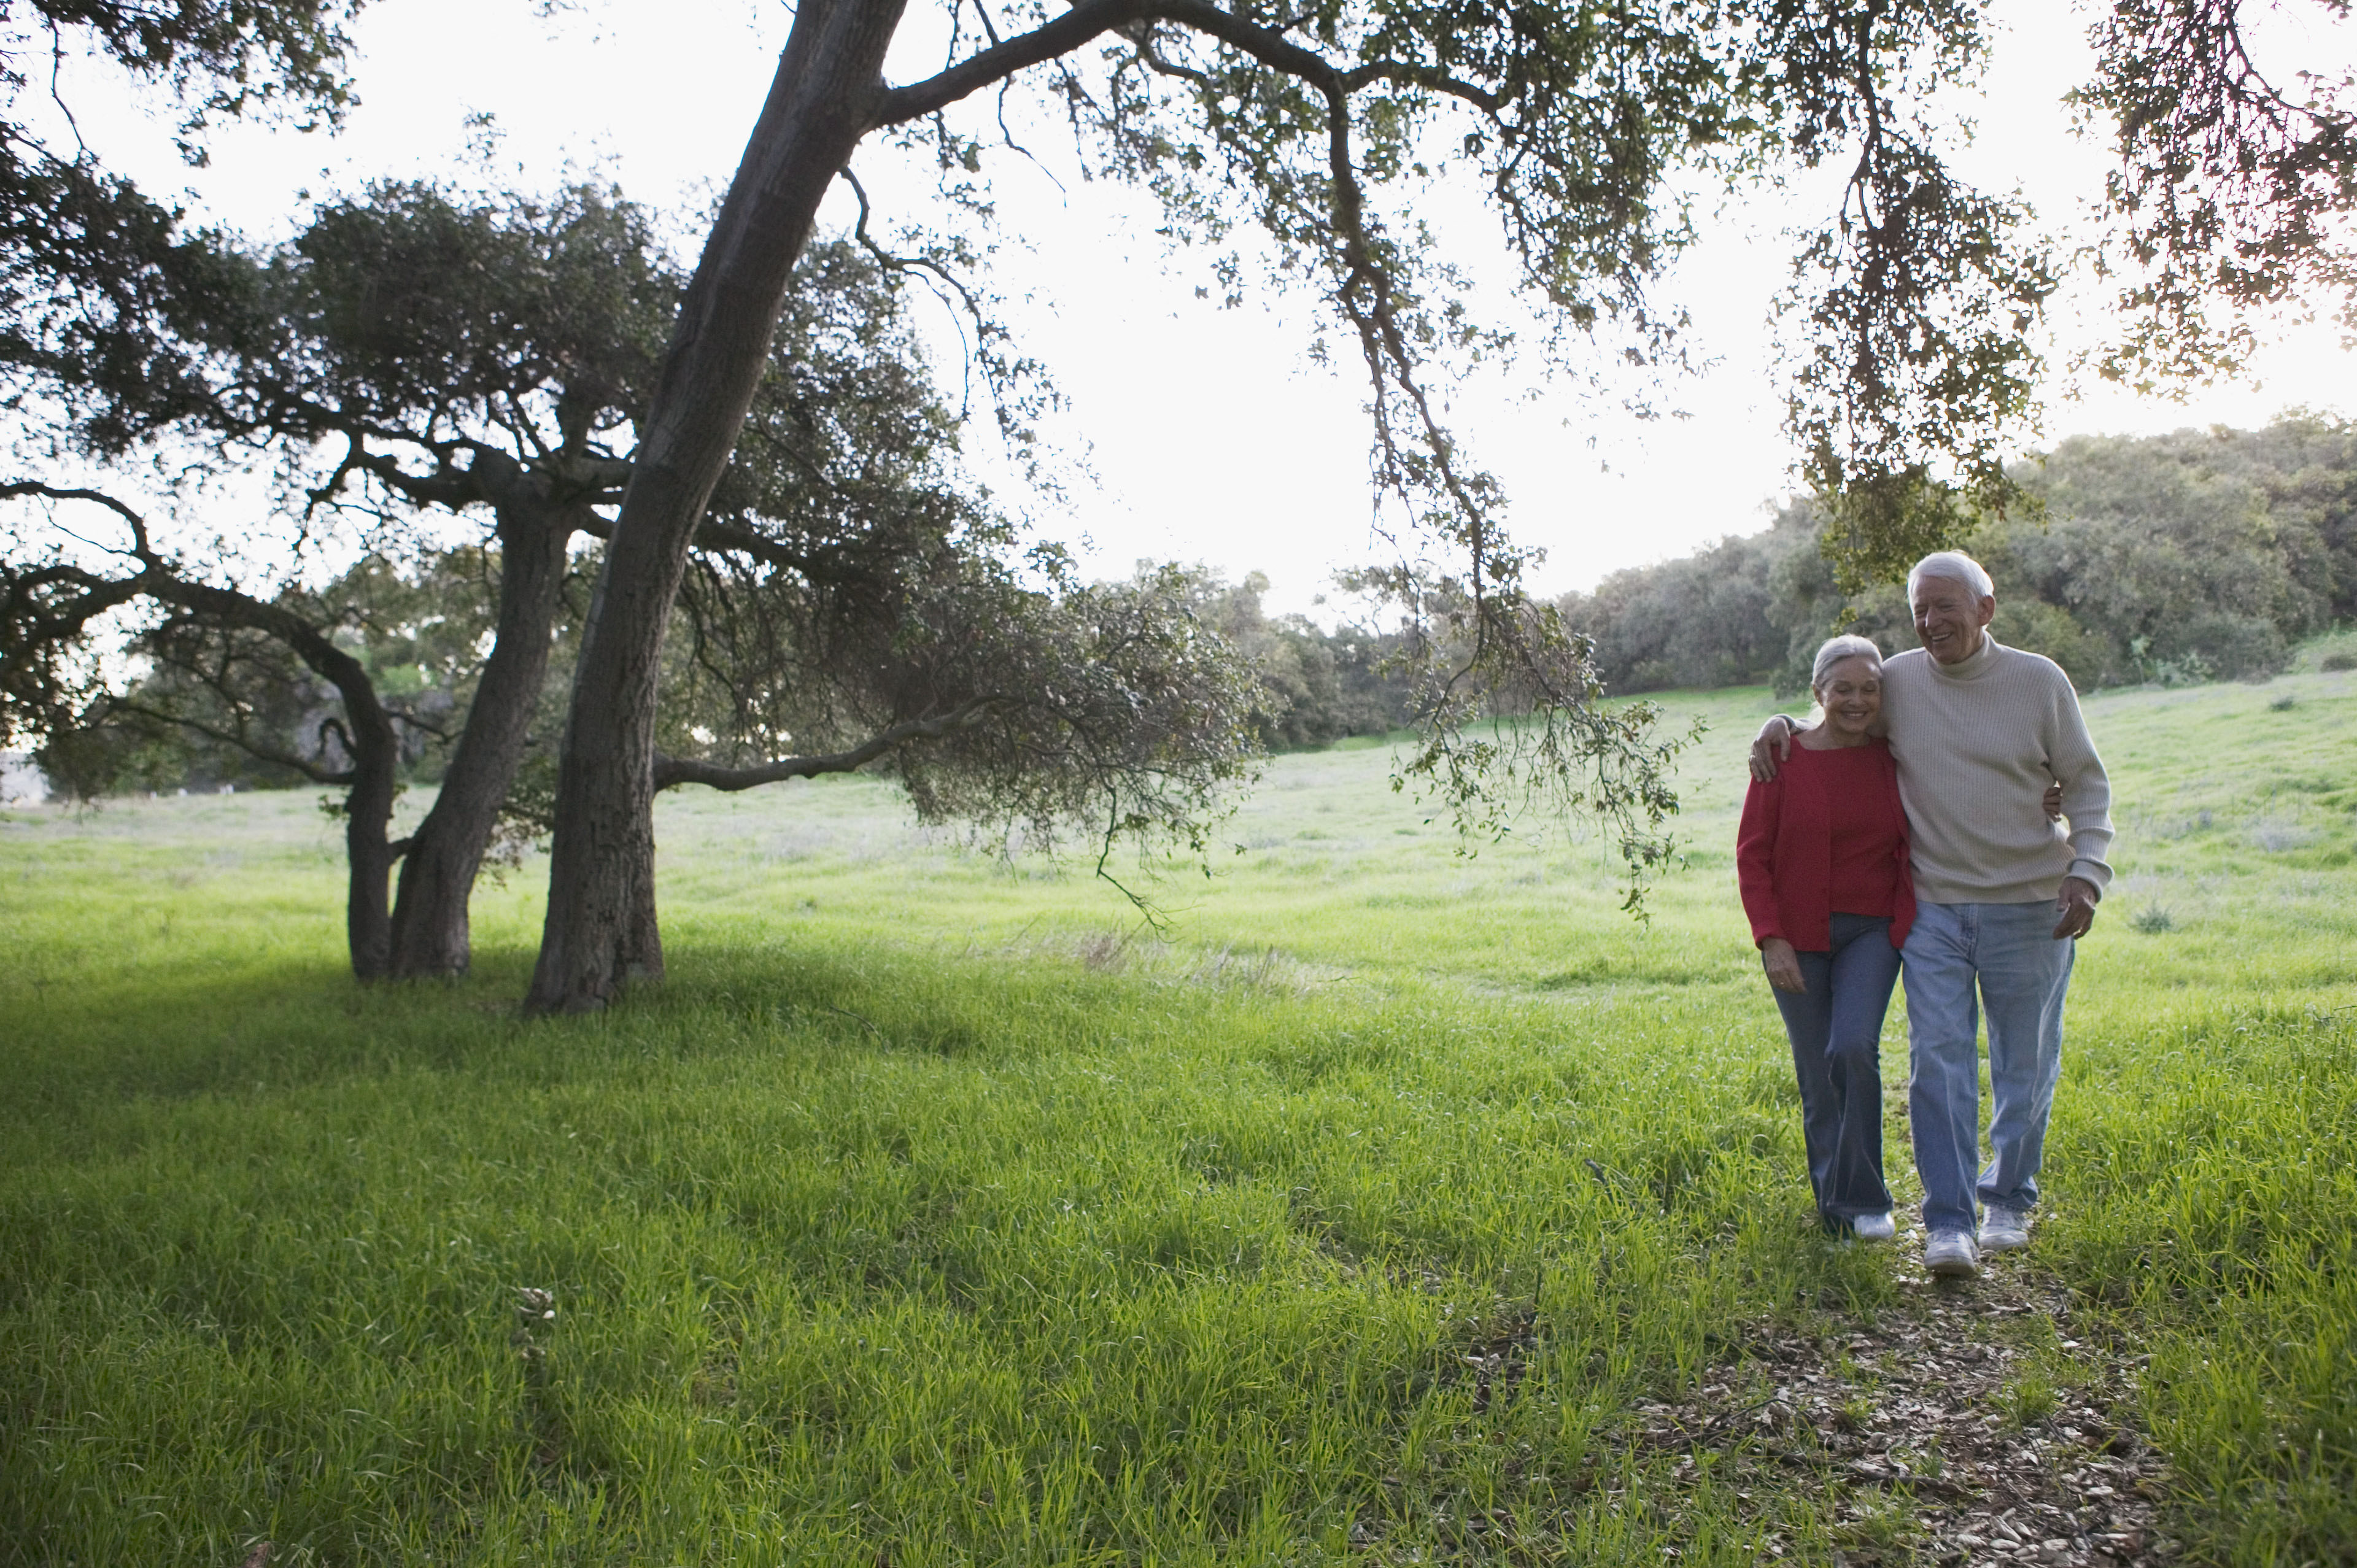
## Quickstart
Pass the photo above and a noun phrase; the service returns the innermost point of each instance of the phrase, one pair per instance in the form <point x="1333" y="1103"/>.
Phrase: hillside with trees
<point x="2202" y="555"/>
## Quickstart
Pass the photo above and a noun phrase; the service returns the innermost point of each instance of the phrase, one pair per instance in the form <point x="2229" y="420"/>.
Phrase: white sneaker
<point x="1874" y="1228"/>
<point x="2004" y="1229"/>
<point x="1951" y="1255"/>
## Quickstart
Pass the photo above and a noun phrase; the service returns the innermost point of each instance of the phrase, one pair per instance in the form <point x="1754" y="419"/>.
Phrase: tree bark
<point x="430" y="935"/>
<point x="600" y="930"/>
<point x="368" y="816"/>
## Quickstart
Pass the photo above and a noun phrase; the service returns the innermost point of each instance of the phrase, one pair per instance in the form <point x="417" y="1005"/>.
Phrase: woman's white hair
<point x="1955" y="566"/>
<point x="1837" y="649"/>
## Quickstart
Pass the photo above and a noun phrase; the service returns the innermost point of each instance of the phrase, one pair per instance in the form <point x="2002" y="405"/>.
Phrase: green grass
<point x="934" y="1212"/>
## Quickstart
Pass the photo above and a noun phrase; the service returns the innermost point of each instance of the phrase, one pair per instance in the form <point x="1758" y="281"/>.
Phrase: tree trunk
<point x="429" y="935"/>
<point x="367" y="807"/>
<point x="600" y="930"/>
<point x="367" y="814"/>
<point x="375" y="779"/>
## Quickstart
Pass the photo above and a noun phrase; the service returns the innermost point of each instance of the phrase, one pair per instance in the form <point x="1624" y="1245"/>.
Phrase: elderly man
<point x="2002" y="895"/>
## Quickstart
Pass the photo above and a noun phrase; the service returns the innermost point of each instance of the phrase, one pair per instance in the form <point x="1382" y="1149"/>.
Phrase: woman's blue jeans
<point x="1835" y="1025"/>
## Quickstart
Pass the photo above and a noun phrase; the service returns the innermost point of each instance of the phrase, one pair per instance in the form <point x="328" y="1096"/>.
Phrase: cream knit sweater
<point x="1976" y="743"/>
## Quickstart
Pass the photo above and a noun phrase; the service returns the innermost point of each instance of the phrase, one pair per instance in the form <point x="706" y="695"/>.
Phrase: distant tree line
<point x="1319" y="685"/>
<point x="2204" y="555"/>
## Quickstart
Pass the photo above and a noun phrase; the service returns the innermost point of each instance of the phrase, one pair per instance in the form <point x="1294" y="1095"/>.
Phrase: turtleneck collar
<point x="1974" y="665"/>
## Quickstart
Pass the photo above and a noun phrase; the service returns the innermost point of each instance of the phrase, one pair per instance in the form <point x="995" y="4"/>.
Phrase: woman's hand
<point x="2053" y="801"/>
<point x="1783" y="966"/>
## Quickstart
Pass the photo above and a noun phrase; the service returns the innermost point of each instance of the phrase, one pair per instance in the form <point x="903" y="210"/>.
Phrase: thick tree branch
<point x="259" y="750"/>
<point x="1273" y="49"/>
<point x="158" y="580"/>
<point x="1093" y="17"/>
<point x="60" y="622"/>
<point x="722" y="536"/>
<point x="898" y="105"/>
<point x="1410" y="75"/>
<point x="12" y="488"/>
<point x="447" y="487"/>
<point x="674" y="770"/>
<point x="494" y="476"/>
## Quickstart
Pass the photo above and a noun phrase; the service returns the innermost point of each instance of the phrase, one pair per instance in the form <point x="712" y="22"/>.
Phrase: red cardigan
<point x="1783" y="850"/>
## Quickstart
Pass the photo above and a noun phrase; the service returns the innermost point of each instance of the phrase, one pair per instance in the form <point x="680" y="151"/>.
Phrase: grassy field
<point x="1395" y="1207"/>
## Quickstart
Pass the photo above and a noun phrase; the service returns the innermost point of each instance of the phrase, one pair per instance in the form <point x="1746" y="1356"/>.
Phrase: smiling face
<point x="1851" y="694"/>
<point x="1949" y="617"/>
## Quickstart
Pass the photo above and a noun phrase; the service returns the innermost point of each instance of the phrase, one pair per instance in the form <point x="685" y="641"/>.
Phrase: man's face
<point x="1949" y="617"/>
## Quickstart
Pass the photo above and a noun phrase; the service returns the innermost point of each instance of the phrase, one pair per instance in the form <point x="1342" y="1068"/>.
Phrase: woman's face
<point x="1851" y="694"/>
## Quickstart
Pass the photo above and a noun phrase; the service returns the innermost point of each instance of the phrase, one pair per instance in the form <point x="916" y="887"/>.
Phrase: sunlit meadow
<point x="939" y="1210"/>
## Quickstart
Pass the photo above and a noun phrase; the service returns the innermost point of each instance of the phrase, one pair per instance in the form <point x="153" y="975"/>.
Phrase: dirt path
<point x="1970" y="1424"/>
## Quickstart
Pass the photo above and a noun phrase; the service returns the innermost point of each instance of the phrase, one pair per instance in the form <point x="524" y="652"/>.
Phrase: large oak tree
<point x="855" y="603"/>
<point x="1580" y="125"/>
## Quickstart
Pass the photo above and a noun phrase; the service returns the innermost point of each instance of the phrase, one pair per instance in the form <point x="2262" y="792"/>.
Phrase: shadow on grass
<point x="272" y="1024"/>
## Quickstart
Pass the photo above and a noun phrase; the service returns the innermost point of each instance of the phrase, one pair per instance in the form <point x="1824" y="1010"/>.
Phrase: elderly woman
<point x="1821" y="858"/>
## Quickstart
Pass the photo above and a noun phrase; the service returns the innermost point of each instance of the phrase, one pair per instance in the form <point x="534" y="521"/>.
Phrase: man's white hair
<point x="1955" y="566"/>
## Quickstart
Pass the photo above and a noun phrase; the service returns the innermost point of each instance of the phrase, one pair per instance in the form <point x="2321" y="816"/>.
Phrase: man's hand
<point x="1769" y="749"/>
<point x="2076" y="906"/>
<point x="2053" y="801"/>
<point x="1783" y="967"/>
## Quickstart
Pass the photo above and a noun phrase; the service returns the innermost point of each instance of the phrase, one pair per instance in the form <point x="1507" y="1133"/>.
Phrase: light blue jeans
<point x="1961" y="958"/>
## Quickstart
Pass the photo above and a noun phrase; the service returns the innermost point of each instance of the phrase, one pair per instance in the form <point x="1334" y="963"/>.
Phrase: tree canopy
<point x="95" y="274"/>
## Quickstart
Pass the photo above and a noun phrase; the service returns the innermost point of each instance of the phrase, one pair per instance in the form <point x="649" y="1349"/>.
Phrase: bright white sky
<point x="1211" y="436"/>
